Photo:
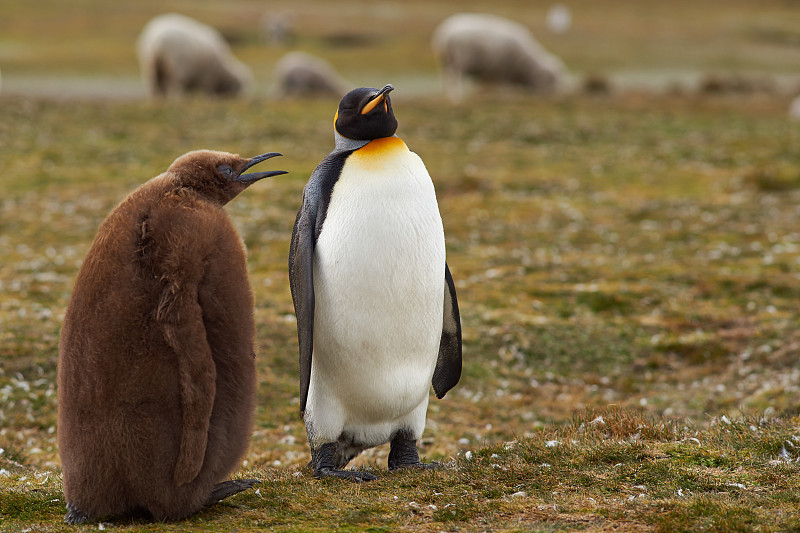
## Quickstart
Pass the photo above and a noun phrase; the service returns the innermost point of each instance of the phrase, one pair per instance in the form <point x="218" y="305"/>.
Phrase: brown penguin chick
<point x="156" y="374"/>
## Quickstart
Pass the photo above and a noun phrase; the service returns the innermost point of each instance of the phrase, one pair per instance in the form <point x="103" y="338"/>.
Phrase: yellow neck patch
<point x="380" y="152"/>
<point x="382" y="146"/>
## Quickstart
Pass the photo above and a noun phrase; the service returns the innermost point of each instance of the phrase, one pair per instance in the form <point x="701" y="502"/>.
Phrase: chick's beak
<point x="377" y="99"/>
<point x="255" y="176"/>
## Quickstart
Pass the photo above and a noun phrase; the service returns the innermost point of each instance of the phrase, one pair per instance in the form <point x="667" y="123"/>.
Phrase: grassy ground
<point x="626" y="268"/>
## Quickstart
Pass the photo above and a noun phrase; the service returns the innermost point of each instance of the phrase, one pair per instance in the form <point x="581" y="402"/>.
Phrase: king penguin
<point x="376" y="307"/>
<point x="156" y="369"/>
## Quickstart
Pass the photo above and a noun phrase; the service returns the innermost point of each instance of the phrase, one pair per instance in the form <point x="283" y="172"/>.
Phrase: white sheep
<point x="493" y="49"/>
<point x="302" y="75"/>
<point x="794" y="109"/>
<point x="178" y="54"/>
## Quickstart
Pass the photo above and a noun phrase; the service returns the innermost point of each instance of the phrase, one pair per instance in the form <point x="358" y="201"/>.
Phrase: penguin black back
<point x="365" y="114"/>
<point x="156" y="376"/>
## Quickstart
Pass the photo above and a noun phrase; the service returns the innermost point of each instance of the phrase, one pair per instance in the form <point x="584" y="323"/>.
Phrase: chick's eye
<point x="226" y="171"/>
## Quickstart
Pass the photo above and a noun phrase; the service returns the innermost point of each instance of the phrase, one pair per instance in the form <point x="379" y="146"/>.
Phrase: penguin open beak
<point x="377" y="99"/>
<point x="255" y="176"/>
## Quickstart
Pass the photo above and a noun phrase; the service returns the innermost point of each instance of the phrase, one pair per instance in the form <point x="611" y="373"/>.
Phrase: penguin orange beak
<point x="255" y="176"/>
<point x="377" y="99"/>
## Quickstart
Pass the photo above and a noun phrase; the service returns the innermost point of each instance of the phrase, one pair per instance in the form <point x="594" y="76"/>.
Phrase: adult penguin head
<point x="365" y="114"/>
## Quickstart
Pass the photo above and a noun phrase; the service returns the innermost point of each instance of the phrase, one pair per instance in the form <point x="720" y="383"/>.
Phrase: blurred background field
<point x="53" y="46"/>
<point x="636" y="248"/>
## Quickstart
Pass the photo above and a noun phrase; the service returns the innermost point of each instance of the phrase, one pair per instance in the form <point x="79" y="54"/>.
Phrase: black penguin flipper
<point x="307" y="227"/>
<point x="448" y="364"/>
<point x="301" y="282"/>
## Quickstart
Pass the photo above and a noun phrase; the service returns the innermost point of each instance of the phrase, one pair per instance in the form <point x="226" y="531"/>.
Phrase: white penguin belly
<point x="378" y="282"/>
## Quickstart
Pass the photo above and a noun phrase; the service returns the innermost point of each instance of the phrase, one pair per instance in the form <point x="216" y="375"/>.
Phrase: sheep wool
<point x="303" y="75"/>
<point x="794" y="109"/>
<point x="178" y="55"/>
<point x="493" y="49"/>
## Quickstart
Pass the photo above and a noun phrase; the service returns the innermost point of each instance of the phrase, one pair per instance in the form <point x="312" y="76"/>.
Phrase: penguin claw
<point x="352" y="475"/>
<point x="75" y="516"/>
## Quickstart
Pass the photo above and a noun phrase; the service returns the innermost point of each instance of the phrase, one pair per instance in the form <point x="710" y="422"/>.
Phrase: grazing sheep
<point x="302" y="75"/>
<point x="177" y="55"/>
<point x="493" y="49"/>
<point x="794" y="109"/>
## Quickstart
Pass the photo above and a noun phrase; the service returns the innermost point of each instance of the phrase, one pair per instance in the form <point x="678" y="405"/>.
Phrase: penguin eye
<point x="226" y="171"/>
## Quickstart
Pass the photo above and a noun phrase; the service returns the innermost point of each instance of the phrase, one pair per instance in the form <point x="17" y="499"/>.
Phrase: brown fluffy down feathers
<point x="156" y="377"/>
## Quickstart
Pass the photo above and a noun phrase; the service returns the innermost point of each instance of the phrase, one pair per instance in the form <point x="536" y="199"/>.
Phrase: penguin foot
<point x="403" y="454"/>
<point x="324" y="459"/>
<point x="355" y="476"/>
<point x="75" y="516"/>
<point x="229" y="488"/>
